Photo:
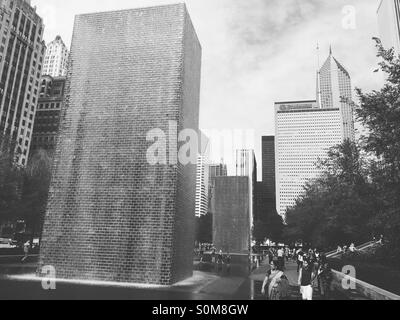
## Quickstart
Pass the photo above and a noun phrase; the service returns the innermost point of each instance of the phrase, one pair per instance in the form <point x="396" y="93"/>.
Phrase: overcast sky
<point x="255" y="52"/>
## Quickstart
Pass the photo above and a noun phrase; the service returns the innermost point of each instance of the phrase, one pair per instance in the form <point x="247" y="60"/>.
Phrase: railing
<point x="362" y="288"/>
<point x="364" y="246"/>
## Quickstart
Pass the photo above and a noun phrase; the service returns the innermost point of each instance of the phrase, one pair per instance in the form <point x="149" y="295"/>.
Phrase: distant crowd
<point x="221" y="262"/>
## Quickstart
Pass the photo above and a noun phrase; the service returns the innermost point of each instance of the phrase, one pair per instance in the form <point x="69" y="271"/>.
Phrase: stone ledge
<point x="364" y="289"/>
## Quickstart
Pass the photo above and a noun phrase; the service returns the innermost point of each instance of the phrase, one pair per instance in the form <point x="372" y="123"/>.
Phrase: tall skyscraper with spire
<point x="306" y="130"/>
<point x="334" y="91"/>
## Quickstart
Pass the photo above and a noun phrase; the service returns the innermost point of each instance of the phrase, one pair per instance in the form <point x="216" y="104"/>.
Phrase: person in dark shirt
<point x="324" y="279"/>
<point x="300" y="258"/>
<point x="305" y="280"/>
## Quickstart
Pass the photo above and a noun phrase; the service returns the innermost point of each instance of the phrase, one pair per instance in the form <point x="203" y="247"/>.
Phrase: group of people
<point x="345" y="249"/>
<point x="313" y="273"/>
<point x="219" y="260"/>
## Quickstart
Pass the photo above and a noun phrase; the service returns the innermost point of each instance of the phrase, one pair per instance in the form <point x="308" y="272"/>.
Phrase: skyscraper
<point x="389" y="24"/>
<point x="333" y="87"/>
<point x="21" y="57"/>
<point x="202" y="185"/>
<point x="246" y="164"/>
<point x="265" y="198"/>
<point x="304" y="134"/>
<point x="268" y="164"/>
<point x="56" y="59"/>
<point x="48" y="114"/>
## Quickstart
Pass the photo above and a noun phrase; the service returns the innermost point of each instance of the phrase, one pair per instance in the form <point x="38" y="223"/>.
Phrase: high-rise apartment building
<point x="304" y="134"/>
<point x="48" y="113"/>
<point x="389" y="24"/>
<point x="21" y="62"/>
<point x="202" y="184"/>
<point x="56" y="58"/>
<point x="201" y="187"/>
<point x="334" y="91"/>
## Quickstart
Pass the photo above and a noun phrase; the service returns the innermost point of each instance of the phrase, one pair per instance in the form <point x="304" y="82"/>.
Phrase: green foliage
<point x="358" y="194"/>
<point x="24" y="190"/>
<point x="10" y="182"/>
<point x="35" y="193"/>
<point x="270" y="226"/>
<point x="337" y="206"/>
<point x="204" y="229"/>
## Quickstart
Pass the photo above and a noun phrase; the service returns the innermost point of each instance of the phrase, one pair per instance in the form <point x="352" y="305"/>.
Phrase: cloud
<point x="256" y="52"/>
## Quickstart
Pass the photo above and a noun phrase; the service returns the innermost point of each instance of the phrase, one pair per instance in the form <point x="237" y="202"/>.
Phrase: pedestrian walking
<point x="324" y="279"/>
<point x="201" y="253"/>
<point x="306" y="280"/>
<point x="281" y="258"/>
<point x="300" y="258"/>
<point x="220" y="262"/>
<point x="270" y="256"/>
<point x="228" y="261"/>
<point x="26" y="252"/>
<point x="214" y="259"/>
<point x="276" y="284"/>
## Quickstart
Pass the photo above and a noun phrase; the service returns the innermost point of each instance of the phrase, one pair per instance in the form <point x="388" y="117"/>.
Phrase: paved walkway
<point x="259" y="274"/>
<point x="258" y="277"/>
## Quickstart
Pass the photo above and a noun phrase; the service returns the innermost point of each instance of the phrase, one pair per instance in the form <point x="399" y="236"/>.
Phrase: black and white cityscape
<point x="200" y="150"/>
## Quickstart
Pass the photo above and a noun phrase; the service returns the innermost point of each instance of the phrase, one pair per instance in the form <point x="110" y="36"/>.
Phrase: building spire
<point x="330" y="50"/>
<point x="318" y="78"/>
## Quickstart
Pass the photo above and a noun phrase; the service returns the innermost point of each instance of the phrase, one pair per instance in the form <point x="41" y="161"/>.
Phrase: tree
<point x="379" y="112"/>
<point x="10" y="182"/>
<point x="35" y="193"/>
<point x="337" y="207"/>
<point x="359" y="193"/>
<point x="204" y="228"/>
